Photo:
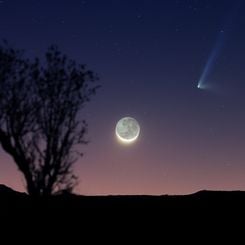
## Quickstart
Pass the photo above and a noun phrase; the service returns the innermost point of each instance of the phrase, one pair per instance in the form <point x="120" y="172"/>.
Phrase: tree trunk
<point x="31" y="188"/>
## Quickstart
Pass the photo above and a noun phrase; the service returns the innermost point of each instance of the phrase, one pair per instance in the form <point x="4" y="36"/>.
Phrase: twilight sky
<point x="150" y="56"/>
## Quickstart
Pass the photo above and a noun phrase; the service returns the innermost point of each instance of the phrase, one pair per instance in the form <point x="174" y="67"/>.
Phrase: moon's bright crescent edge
<point x="127" y="140"/>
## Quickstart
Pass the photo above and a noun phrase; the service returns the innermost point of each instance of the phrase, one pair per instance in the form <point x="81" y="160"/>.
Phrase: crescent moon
<point x="127" y="130"/>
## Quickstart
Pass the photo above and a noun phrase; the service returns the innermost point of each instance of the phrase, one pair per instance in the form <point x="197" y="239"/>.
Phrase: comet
<point x="216" y="50"/>
<point x="212" y="60"/>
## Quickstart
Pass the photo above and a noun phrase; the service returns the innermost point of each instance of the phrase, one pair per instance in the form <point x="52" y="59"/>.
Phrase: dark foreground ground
<point x="15" y="202"/>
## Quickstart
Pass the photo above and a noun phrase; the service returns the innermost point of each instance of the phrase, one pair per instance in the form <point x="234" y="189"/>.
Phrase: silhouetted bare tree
<point x="40" y="124"/>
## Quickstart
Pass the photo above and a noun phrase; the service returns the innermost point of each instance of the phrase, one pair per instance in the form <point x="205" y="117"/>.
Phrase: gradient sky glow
<point x="150" y="55"/>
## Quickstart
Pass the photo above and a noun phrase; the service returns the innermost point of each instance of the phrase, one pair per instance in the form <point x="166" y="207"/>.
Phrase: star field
<point x="149" y="55"/>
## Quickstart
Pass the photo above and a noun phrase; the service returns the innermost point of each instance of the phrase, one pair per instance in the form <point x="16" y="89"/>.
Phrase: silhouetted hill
<point x="6" y="191"/>
<point x="12" y="201"/>
<point x="15" y="202"/>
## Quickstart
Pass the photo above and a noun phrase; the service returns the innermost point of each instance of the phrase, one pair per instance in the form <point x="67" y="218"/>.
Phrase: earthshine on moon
<point x="127" y="130"/>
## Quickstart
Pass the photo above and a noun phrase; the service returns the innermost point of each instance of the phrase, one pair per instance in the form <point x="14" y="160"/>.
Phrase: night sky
<point x="150" y="56"/>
